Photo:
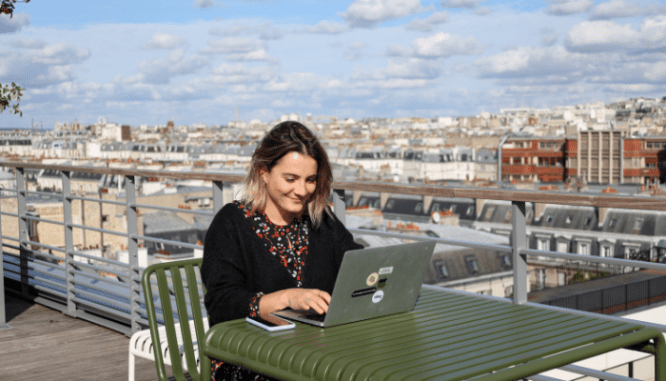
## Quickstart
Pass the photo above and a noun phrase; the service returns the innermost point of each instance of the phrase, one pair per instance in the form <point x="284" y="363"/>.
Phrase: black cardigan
<point x="237" y="265"/>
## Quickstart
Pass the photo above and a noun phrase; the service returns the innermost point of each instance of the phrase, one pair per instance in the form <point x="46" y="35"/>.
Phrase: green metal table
<point x="446" y="337"/>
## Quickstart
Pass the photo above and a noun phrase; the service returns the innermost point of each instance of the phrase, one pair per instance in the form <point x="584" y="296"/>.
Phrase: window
<point x="606" y="251"/>
<point x="443" y="272"/>
<point x="452" y="208"/>
<point x="489" y="213"/>
<point x="638" y="223"/>
<point x="630" y="250"/>
<point x="568" y="221"/>
<point x="418" y="208"/>
<point x="663" y="145"/>
<point x="612" y="223"/>
<point x="473" y="264"/>
<point x="435" y="207"/>
<point x="506" y="262"/>
<point x="549" y="218"/>
<point x="541" y="279"/>
<point x="470" y="210"/>
<point x="543" y="244"/>
<point x="648" y="145"/>
<point x="390" y="204"/>
<point x="588" y="220"/>
<point x="583" y="248"/>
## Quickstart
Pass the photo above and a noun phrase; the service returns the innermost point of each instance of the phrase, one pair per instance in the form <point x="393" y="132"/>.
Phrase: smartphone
<point x="271" y="323"/>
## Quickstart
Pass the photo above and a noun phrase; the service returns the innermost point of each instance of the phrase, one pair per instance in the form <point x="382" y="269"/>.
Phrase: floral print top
<point x="288" y="243"/>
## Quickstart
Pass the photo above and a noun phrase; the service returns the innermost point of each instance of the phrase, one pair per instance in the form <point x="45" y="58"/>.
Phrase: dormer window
<point x="568" y="221"/>
<point x="473" y="265"/>
<point x="443" y="272"/>
<point x="549" y="218"/>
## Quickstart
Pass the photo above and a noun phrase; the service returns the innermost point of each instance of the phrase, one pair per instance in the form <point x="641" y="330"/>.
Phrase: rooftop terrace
<point x="50" y="345"/>
<point x="44" y="344"/>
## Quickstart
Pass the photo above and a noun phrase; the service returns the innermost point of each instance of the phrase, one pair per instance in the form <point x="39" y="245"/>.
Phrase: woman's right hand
<point x="306" y="299"/>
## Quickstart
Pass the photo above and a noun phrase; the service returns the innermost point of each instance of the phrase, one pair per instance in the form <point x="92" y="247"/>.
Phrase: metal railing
<point x="76" y="290"/>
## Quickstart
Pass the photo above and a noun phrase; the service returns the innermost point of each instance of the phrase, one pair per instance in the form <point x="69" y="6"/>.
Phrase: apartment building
<point x="535" y="159"/>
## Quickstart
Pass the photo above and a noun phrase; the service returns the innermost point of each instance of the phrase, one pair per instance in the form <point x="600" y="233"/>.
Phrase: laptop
<point x="371" y="283"/>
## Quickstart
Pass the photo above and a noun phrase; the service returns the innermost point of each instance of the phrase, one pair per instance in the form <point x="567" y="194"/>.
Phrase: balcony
<point x="71" y="283"/>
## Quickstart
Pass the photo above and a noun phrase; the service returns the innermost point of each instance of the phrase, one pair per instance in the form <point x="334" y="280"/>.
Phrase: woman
<point x="280" y="246"/>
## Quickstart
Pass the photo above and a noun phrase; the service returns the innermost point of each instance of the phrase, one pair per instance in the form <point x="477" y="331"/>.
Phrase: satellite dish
<point x="435" y="217"/>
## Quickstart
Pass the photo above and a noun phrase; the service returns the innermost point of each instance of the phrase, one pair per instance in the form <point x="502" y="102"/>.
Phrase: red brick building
<point x="534" y="159"/>
<point x="597" y="156"/>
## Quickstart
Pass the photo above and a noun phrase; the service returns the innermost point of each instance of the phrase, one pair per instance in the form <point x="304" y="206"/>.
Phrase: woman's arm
<point x="223" y="271"/>
<point x="296" y="299"/>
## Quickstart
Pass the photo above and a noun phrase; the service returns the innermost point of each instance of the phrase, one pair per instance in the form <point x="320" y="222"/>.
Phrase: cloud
<point x="301" y="82"/>
<point x="354" y="53"/>
<point x="232" y="45"/>
<point x="255" y="55"/>
<point x="656" y="72"/>
<point x="397" y="51"/>
<point x="39" y="68"/>
<point x="553" y="64"/>
<point x="607" y="36"/>
<point x="369" y="13"/>
<point x="265" y="31"/>
<point x="569" y="7"/>
<point x="413" y="68"/>
<point x="470" y="4"/>
<point x="426" y="25"/>
<point x="549" y="37"/>
<point x="28" y="43"/>
<point x="164" y="41"/>
<point x="326" y="27"/>
<point x="14" y="24"/>
<point x="239" y="73"/>
<point x="204" y="3"/>
<point x="482" y="11"/>
<point x="268" y="31"/>
<point x="615" y="9"/>
<point x="445" y="45"/>
<point x="58" y="54"/>
<point x="161" y="71"/>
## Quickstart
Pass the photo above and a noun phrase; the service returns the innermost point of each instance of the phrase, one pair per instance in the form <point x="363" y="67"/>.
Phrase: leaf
<point x="21" y="113"/>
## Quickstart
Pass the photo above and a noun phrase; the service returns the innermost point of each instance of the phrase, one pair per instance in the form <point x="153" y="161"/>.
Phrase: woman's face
<point x="290" y="185"/>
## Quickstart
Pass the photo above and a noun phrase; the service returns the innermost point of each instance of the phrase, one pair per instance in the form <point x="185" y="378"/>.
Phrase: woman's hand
<point x="295" y="298"/>
<point x="307" y="298"/>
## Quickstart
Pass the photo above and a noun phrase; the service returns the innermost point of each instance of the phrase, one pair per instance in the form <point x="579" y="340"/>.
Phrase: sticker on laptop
<point x="372" y="279"/>
<point x="385" y="270"/>
<point x="378" y="296"/>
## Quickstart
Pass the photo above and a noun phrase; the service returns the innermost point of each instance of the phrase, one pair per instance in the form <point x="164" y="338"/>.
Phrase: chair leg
<point x="131" y="367"/>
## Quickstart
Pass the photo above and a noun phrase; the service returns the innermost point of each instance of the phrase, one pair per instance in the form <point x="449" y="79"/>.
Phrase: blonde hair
<point x="288" y="137"/>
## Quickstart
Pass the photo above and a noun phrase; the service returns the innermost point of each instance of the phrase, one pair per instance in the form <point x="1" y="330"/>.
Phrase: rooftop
<point x="62" y="348"/>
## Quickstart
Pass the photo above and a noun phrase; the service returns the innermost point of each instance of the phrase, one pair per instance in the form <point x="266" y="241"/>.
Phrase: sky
<point x="196" y="61"/>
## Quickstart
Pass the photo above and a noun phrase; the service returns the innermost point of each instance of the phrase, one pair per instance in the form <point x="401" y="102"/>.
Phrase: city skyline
<point x="196" y="61"/>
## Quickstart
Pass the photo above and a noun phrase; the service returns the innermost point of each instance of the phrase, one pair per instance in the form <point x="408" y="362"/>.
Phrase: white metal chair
<point x="141" y="345"/>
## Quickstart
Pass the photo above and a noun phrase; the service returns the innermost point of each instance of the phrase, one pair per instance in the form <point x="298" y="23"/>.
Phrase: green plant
<point x="7" y="6"/>
<point x="8" y="94"/>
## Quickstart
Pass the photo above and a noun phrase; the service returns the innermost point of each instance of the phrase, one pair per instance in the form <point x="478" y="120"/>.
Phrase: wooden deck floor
<point x="45" y="344"/>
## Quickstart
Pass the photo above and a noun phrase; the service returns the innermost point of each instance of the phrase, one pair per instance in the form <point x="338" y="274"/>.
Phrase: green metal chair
<point x="184" y="346"/>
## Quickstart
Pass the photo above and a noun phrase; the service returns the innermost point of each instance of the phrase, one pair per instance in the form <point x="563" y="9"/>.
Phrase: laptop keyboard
<point x="316" y="317"/>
